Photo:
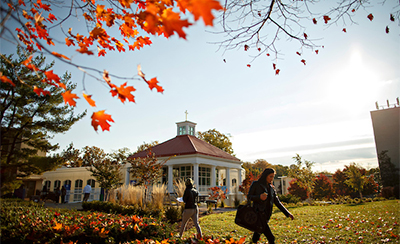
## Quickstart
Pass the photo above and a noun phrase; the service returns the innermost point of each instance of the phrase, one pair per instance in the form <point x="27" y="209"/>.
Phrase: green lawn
<point x="371" y="222"/>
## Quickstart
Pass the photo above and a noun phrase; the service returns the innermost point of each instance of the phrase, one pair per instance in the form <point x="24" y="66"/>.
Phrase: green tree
<point x="147" y="170"/>
<point x="389" y="172"/>
<point x="92" y="155"/>
<point x="71" y="156"/>
<point x="281" y="170"/>
<point x="355" y="179"/>
<point x="29" y="116"/>
<point x="339" y="187"/>
<point x="302" y="172"/>
<point x="217" y="139"/>
<point x="107" y="174"/>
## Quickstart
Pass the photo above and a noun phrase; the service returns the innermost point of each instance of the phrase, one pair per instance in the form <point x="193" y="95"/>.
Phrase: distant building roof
<point x="186" y="145"/>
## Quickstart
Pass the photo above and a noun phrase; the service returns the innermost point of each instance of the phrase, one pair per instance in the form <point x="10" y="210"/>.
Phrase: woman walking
<point x="263" y="194"/>
<point x="191" y="209"/>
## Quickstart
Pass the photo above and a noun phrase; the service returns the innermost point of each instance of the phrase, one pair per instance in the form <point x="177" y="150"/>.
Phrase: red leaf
<point x="5" y="79"/>
<point x="277" y="71"/>
<point x="316" y="51"/>
<point x="314" y="21"/>
<point x="249" y="65"/>
<point x="39" y="91"/>
<point x="391" y="17"/>
<point x="51" y="76"/>
<point x="298" y="53"/>
<point x="259" y="49"/>
<point x="246" y="47"/>
<point x="387" y="29"/>
<point x="303" y="61"/>
<point x="326" y="19"/>
<point x="274" y="66"/>
<point x="268" y="54"/>
<point x="305" y="35"/>
<point x="344" y="30"/>
<point x="89" y="100"/>
<point x="69" y="98"/>
<point x="153" y="84"/>
<point x="353" y="10"/>
<point x="370" y="17"/>
<point x="124" y="92"/>
<point x="101" y="119"/>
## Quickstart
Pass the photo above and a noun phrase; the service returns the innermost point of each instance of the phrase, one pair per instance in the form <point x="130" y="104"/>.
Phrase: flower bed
<point x="27" y="222"/>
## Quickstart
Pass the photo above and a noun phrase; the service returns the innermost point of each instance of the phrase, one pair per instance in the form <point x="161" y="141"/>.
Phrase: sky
<point x="320" y="110"/>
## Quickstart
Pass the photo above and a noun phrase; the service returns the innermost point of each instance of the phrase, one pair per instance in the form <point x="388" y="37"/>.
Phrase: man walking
<point x="86" y="191"/>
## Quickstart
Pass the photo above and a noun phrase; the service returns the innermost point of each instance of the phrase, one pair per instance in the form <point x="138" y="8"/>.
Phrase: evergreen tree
<point x="29" y="117"/>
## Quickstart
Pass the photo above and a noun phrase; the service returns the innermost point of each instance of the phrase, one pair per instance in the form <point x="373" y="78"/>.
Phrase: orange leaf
<point x="51" y="76"/>
<point x="153" y="84"/>
<point x="69" y="42"/>
<point x="202" y="8"/>
<point x="39" y="91"/>
<point x="89" y="99"/>
<point x="370" y="17"/>
<point x="69" y="98"/>
<point x="172" y="23"/>
<point x="277" y="71"/>
<point x="124" y="92"/>
<point x="60" y="55"/>
<point x="29" y="65"/>
<point x="100" y="119"/>
<point x="5" y="79"/>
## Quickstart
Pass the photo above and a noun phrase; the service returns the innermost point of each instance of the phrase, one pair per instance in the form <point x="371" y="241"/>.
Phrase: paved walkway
<point x="78" y="206"/>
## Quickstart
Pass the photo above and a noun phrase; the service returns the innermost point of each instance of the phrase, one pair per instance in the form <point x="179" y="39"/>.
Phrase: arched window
<point x="47" y="184"/>
<point x="234" y="182"/>
<point x="78" y="190"/>
<point x="57" y="183"/>
<point x="91" y="182"/>
<point x="67" y="183"/>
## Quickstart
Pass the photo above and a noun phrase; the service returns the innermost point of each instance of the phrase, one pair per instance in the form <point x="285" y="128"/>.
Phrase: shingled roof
<point x="186" y="145"/>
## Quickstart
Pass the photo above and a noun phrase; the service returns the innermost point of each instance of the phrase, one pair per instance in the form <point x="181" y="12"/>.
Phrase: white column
<point x="239" y="179"/>
<point x="170" y="179"/>
<point x="196" y="175"/>
<point x="213" y="183"/>
<point x="228" y="180"/>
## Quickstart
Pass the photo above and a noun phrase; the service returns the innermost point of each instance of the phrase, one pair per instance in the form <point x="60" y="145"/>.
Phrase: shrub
<point x="173" y="214"/>
<point x="115" y="208"/>
<point x="296" y="188"/>
<point x="289" y="198"/>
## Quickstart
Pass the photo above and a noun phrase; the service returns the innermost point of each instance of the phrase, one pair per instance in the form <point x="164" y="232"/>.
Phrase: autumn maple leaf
<point x="277" y="71"/>
<point x="101" y="119"/>
<point x="202" y="8"/>
<point x="370" y="17"/>
<point x="40" y="91"/>
<point x="5" y="79"/>
<point x="69" y="98"/>
<point x="153" y="83"/>
<point x="124" y="92"/>
<point x="172" y="22"/>
<point x="89" y="99"/>
<point x="51" y="76"/>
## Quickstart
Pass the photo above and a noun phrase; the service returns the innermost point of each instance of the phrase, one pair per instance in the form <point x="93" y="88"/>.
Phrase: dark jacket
<point x="256" y="189"/>
<point x="190" y="197"/>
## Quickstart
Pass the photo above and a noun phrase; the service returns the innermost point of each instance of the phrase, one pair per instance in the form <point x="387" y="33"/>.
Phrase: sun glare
<point x="353" y="84"/>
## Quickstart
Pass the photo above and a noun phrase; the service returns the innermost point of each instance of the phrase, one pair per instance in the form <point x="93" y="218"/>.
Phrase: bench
<point x="209" y="202"/>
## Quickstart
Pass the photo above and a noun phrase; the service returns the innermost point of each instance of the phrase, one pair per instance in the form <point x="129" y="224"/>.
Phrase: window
<point x="67" y="183"/>
<point x="78" y="191"/>
<point x="191" y="130"/>
<point x="164" y="175"/>
<point x="204" y="176"/>
<point x="57" y="183"/>
<point x="234" y="182"/>
<point x="91" y="182"/>
<point x="47" y="184"/>
<point x="182" y="130"/>
<point x="186" y="172"/>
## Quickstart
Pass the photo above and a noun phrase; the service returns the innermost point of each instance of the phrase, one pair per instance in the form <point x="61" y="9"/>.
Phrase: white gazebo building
<point x="191" y="157"/>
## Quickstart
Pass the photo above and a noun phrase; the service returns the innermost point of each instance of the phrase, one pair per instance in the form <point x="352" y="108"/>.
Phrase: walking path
<point x="78" y="206"/>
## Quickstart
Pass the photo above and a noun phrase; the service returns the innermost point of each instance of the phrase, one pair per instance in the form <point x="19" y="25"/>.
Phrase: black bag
<point x="247" y="217"/>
